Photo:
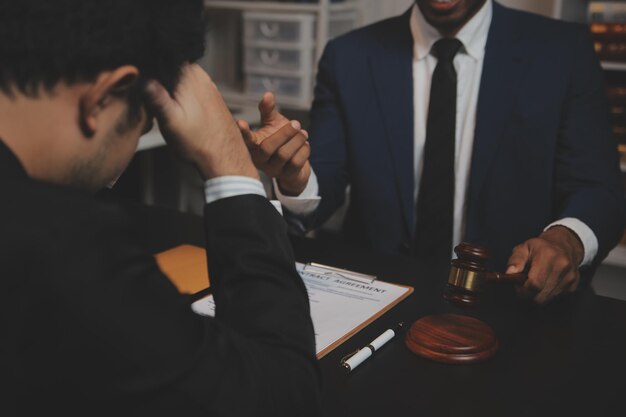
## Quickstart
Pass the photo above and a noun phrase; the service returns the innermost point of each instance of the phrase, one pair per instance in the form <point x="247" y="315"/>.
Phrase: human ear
<point x="100" y="93"/>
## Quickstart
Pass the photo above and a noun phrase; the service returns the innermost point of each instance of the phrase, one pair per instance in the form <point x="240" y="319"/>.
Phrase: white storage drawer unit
<point x="293" y="89"/>
<point x="280" y="60"/>
<point x="279" y="54"/>
<point x="286" y="28"/>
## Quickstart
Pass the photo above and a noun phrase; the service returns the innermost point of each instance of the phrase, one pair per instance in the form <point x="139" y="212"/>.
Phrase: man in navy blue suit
<point x="536" y="173"/>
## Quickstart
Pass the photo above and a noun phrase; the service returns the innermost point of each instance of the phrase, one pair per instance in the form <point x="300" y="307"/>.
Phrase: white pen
<point x="355" y="360"/>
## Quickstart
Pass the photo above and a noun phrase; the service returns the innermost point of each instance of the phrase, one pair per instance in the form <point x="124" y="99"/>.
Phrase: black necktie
<point x="435" y="202"/>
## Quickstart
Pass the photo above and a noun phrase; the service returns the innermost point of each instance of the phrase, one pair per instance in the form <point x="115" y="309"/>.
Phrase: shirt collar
<point x="473" y="35"/>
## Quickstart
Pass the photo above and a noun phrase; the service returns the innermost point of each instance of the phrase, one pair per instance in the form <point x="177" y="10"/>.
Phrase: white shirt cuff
<point x="303" y="204"/>
<point x="584" y="233"/>
<point x="230" y="186"/>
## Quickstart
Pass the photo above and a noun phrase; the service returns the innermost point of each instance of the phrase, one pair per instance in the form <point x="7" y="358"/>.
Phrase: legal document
<point x="342" y="302"/>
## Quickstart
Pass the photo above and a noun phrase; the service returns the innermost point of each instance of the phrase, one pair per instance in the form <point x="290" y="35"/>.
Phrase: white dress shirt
<point x="234" y="185"/>
<point x="468" y="64"/>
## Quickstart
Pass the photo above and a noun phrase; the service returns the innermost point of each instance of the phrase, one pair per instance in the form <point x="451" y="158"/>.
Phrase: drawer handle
<point x="269" y="30"/>
<point x="270" y="85"/>
<point x="269" y="57"/>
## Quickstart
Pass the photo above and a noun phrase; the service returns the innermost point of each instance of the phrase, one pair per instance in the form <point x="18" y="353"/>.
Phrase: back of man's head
<point x="44" y="42"/>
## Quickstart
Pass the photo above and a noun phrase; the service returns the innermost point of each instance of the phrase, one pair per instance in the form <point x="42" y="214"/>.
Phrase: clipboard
<point x="186" y="267"/>
<point x="342" y="302"/>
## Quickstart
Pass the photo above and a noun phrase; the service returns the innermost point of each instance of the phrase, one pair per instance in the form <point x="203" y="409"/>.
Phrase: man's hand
<point x="197" y="122"/>
<point x="553" y="260"/>
<point x="279" y="148"/>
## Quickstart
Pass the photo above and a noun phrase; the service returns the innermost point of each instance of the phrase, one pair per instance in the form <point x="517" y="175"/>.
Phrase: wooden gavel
<point x="468" y="275"/>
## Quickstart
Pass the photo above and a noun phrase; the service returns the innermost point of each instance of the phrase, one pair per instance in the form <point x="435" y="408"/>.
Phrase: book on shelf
<point x="607" y="25"/>
<point x="609" y="40"/>
<point x="611" y="51"/>
<point x="616" y="95"/>
<point x="606" y="11"/>
<point x="608" y="31"/>
<point x="618" y="116"/>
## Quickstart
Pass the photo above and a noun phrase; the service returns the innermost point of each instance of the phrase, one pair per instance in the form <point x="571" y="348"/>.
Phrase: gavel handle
<point x="518" y="278"/>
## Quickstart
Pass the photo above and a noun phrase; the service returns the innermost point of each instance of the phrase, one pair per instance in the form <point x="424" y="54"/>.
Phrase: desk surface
<point x="568" y="358"/>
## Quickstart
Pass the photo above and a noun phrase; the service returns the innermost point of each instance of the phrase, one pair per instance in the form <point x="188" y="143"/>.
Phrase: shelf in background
<point x="614" y="66"/>
<point x="276" y="6"/>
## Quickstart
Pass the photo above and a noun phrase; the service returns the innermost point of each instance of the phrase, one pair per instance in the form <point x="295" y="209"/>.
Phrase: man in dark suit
<point x="89" y="324"/>
<point x="535" y="174"/>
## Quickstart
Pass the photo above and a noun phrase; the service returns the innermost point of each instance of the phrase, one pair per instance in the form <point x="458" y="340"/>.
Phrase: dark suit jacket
<point x="90" y="325"/>
<point x="543" y="148"/>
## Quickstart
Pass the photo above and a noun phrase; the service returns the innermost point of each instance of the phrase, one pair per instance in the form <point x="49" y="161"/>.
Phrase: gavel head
<point x="467" y="274"/>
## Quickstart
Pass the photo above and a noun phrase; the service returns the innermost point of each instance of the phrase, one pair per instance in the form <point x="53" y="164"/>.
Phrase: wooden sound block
<point x="452" y="338"/>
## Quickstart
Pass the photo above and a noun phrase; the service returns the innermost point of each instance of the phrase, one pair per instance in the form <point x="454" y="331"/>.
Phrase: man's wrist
<point x="289" y="190"/>
<point x="584" y="233"/>
<point x="210" y="167"/>
<point x="293" y="188"/>
<point x="229" y="186"/>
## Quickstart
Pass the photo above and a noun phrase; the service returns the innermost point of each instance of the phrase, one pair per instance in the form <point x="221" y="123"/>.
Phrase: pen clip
<point x="339" y="272"/>
<point x="348" y="356"/>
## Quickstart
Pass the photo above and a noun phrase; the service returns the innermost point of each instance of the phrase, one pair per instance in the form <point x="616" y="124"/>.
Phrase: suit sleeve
<point x="124" y="336"/>
<point x="328" y="138"/>
<point x="588" y="183"/>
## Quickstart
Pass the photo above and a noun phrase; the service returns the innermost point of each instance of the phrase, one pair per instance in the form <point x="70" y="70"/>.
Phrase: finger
<point x="542" y="277"/>
<point x="568" y="281"/>
<point x="298" y="160"/>
<point x="522" y="293"/>
<point x="267" y="108"/>
<point x="563" y="282"/>
<point x="244" y="128"/>
<point x="573" y="286"/>
<point x="271" y="144"/>
<point x="286" y="152"/>
<point x="559" y="270"/>
<point x="546" y="286"/>
<point x="518" y="259"/>
<point x="159" y="100"/>
<point x="289" y="149"/>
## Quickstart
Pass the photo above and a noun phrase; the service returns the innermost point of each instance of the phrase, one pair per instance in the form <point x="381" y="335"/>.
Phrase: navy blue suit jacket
<point x="543" y="147"/>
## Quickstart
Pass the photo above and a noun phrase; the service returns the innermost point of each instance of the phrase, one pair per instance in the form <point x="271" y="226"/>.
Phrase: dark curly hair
<point x="44" y="42"/>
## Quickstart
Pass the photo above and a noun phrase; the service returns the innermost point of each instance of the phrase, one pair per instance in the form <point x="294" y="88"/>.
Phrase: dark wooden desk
<point x="568" y="358"/>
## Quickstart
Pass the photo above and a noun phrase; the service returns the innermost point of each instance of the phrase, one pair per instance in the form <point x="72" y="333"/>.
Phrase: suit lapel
<point x="503" y="66"/>
<point x="391" y="69"/>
